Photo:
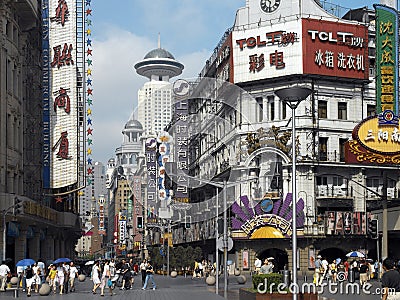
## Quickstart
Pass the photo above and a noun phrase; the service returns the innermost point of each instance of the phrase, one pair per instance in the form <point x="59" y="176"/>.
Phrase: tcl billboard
<point x="335" y="49"/>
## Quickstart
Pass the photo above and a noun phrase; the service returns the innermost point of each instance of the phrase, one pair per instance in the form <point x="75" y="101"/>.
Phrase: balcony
<point x="333" y="191"/>
<point x="331" y="156"/>
<point x="392" y="193"/>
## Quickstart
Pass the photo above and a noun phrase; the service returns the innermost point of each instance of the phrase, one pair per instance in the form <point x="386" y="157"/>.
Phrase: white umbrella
<point x="90" y="262"/>
<point x="355" y="254"/>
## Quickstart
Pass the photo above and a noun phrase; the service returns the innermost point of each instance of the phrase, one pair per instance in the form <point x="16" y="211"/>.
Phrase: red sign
<point x="335" y="49"/>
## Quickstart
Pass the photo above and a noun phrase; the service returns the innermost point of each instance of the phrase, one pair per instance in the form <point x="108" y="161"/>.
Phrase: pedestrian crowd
<point x="105" y="275"/>
<point x="350" y="269"/>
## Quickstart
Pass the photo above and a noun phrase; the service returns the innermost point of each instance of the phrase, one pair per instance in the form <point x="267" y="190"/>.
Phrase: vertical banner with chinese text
<point x="387" y="59"/>
<point x="181" y="149"/>
<point x="63" y="108"/>
<point x="151" y="165"/>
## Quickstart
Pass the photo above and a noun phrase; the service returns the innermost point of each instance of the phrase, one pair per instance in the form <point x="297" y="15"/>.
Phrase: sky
<point x="123" y="31"/>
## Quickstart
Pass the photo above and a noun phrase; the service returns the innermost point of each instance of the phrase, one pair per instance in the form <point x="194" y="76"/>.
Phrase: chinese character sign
<point x="61" y="110"/>
<point x="151" y="165"/>
<point x="387" y="59"/>
<point x="335" y="49"/>
<point x="181" y="150"/>
<point x="266" y="52"/>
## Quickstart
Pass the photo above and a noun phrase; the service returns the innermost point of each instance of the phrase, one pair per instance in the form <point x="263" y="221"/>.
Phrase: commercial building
<point x="243" y="136"/>
<point x="39" y="173"/>
<point x="125" y="210"/>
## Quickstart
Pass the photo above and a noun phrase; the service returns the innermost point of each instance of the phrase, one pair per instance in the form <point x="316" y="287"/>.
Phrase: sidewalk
<point x="179" y="288"/>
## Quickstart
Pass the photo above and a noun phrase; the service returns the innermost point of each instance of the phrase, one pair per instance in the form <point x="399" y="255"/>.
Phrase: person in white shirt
<point x="96" y="276"/>
<point x="36" y="277"/>
<point x="324" y="265"/>
<point x="61" y="277"/>
<point x="73" y="273"/>
<point x="257" y="265"/>
<point x="105" y="277"/>
<point x="4" y="271"/>
<point x="42" y="268"/>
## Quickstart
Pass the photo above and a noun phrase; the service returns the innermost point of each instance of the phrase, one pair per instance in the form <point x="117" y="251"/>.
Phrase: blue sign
<point x="267" y="205"/>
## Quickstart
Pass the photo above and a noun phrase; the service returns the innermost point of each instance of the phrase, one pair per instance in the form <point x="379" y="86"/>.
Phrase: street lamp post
<point x="224" y="185"/>
<point x="292" y="97"/>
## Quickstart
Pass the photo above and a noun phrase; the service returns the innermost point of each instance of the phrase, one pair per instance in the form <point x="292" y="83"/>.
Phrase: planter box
<point x="245" y="294"/>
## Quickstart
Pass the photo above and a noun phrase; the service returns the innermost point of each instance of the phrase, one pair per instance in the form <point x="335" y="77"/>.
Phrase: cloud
<point x="116" y="84"/>
<point x="189" y="30"/>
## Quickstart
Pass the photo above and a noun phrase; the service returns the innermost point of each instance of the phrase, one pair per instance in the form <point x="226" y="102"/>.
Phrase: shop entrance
<point x="280" y="258"/>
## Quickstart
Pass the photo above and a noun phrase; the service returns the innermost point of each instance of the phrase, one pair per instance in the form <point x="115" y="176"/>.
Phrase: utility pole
<point x="384" y="217"/>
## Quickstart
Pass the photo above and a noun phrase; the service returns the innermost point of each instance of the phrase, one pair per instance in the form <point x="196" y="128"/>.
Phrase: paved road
<point x="168" y="288"/>
<point x="182" y="288"/>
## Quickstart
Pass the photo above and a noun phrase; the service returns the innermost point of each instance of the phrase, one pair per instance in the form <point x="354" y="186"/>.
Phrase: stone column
<point x="20" y="245"/>
<point x="34" y="246"/>
<point x="48" y="247"/>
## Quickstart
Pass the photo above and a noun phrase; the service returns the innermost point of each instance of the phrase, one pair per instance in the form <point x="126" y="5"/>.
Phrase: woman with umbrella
<point x="61" y="277"/>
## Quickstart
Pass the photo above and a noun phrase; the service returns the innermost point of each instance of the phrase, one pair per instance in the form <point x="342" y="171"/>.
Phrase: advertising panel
<point x="376" y="140"/>
<point x="102" y="230"/>
<point x="60" y="108"/>
<point x="345" y="223"/>
<point x="122" y="228"/>
<point x="268" y="51"/>
<point x="335" y="49"/>
<point x="387" y="59"/>
<point x="181" y="136"/>
<point x="151" y="164"/>
<point x="46" y="153"/>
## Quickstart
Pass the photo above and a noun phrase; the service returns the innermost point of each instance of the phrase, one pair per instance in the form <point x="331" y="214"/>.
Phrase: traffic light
<point x="18" y="206"/>
<point x="373" y="229"/>
<point x="188" y="220"/>
<point x="139" y="223"/>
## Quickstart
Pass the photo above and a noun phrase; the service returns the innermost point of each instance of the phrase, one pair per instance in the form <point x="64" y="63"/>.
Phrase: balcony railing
<point x="334" y="191"/>
<point x="334" y="156"/>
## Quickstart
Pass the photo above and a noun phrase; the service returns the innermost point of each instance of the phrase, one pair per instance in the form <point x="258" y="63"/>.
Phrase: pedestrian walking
<point x="106" y="278"/>
<point x="149" y="276"/>
<point x="318" y="270"/>
<point x="60" y="277"/>
<point x="143" y="266"/>
<point x="4" y="272"/>
<point x="267" y="267"/>
<point x="52" y="277"/>
<point x="257" y="265"/>
<point x="73" y="273"/>
<point x="96" y="276"/>
<point x="36" y="276"/>
<point x="390" y="280"/>
<point x="29" y="280"/>
<point x="66" y="281"/>
<point x="364" y="273"/>
<point x="42" y="268"/>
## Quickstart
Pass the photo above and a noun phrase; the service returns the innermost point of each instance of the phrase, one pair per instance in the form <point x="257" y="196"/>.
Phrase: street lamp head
<point x="292" y="96"/>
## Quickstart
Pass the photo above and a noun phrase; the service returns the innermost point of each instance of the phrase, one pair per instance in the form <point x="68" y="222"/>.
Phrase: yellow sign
<point x="267" y="226"/>
<point x="168" y="236"/>
<point x="383" y="139"/>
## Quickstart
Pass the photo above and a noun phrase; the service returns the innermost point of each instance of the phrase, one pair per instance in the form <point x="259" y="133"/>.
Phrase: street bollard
<point x="16" y="293"/>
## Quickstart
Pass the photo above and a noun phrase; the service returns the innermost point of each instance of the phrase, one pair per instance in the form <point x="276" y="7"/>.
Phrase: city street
<point x="167" y="289"/>
<point x="185" y="288"/>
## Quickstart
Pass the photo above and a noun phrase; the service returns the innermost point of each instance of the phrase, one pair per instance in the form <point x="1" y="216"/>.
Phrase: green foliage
<point x="273" y="278"/>
<point x="179" y="257"/>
